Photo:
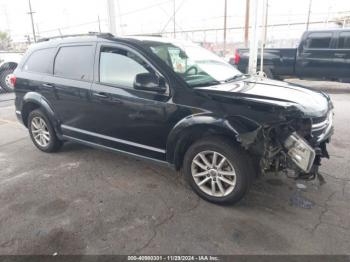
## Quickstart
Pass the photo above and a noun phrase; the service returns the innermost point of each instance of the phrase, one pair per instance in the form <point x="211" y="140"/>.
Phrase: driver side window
<point x="119" y="67"/>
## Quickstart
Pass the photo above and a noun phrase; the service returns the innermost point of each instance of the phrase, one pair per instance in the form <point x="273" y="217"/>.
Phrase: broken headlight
<point x="301" y="153"/>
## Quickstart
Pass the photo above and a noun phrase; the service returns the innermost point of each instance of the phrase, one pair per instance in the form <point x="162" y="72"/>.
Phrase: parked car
<point x="321" y="55"/>
<point x="174" y="103"/>
<point x="8" y="64"/>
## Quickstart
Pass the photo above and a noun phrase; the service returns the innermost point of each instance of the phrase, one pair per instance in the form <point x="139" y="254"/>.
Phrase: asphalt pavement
<point x="87" y="201"/>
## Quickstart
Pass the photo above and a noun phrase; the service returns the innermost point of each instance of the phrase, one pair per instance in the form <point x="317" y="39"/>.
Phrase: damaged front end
<point x="295" y="147"/>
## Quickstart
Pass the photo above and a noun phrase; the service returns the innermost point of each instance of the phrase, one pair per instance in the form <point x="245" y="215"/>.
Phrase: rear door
<point x="32" y="74"/>
<point x="342" y="55"/>
<point x="69" y="86"/>
<point x="315" y="56"/>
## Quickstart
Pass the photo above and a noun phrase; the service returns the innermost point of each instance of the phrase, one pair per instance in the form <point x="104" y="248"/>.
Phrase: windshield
<point x="196" y="65"/>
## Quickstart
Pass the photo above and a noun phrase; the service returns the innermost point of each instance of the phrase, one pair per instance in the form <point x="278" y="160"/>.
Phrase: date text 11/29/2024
<point x="173" y="258"/>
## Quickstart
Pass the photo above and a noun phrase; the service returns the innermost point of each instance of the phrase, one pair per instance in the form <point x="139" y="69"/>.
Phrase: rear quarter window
<point x="40" y="61"/>
<point x="344" y="40"/>
<point x="75" y="62"/>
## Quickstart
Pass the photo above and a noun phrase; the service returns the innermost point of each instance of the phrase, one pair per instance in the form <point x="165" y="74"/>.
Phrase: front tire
<point x="218" y="170"/>
<point x="42" y="132"/>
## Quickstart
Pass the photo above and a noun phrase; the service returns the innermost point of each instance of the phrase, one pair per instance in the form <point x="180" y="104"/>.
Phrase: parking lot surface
<point x="87" y="201"/>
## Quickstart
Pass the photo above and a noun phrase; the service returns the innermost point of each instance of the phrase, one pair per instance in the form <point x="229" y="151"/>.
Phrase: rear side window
<point x="40" y="61"/>
<point x="344" y="40"/>
<point x="318" y="40"/>
<point x="75" y="62"/>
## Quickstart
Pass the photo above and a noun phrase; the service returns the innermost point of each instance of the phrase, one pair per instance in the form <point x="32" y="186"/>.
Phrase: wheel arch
<point x="32" y="101"/>
<point x="189" y="130"/>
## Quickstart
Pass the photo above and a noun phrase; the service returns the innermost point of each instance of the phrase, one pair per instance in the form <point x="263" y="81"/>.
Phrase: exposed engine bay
<point x="294" y="147"/>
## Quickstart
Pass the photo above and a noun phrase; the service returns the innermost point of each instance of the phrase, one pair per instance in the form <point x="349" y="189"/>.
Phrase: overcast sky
<point x="148" y="16"/>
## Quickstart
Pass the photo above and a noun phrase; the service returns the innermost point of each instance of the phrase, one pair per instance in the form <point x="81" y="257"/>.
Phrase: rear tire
<point x="268" y="73"/>
<point x="225" y="184"/>
<point x="42" y="132"/>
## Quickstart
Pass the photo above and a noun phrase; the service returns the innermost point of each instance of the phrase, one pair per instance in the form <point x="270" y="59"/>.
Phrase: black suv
<point x="173" y="102"/>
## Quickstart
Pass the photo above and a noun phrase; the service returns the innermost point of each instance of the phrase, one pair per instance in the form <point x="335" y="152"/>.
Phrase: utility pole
<point x="99" y="23"/>
<point x="263" y="33"/>
<point x="225" y="20"/>
<point x="174" y="15"/>
<point x="111" y="17"/>
<point x="253" y="38"/>
<point x="246" y="26"/>
<point x="37" y="30"/>
<point x="308" y="16"/>
<point x="32" y="20"/>
<point x="328" y="12"/>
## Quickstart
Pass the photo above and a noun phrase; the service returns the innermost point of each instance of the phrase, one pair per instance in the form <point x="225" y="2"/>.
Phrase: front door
<point x="124" y="118"/>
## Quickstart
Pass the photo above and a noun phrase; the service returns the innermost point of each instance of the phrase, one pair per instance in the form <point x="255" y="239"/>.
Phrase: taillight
<point x="13" y="80"/>
<point x="237" y="57"/>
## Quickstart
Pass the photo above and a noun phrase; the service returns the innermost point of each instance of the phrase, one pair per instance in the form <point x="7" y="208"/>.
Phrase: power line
<point x="171" y="18"/>
<point x="177" y="24"/>
<point x="167" y="14"/>
<point x="145" y="8"/>
<point x="73" y="26"/>
<point x="236" y="28"/>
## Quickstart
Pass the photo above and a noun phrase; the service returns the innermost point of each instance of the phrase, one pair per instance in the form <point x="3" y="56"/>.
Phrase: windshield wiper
<point x="230" y="79"/>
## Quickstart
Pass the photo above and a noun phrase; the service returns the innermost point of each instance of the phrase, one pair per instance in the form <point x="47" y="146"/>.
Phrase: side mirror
<point x="149" y="82"/>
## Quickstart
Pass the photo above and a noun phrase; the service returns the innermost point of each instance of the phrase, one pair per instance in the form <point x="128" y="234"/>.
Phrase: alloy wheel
<point x="213" y="173"/>
<point x="40" y="131"/>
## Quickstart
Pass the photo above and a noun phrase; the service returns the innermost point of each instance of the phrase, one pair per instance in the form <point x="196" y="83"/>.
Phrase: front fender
<point x="193" y="126"/>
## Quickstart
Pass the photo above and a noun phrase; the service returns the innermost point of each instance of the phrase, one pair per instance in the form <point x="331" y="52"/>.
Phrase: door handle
<point x="339" y="55"/>
<point x="48" y="85"/>
<point x="101" y="95"/>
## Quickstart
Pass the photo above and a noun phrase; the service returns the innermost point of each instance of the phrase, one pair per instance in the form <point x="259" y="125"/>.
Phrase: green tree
<point x="5" y="41"/>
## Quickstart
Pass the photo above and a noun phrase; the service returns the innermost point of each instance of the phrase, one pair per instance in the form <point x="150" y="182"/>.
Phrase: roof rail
<point x="103" y="35"/>
<point x="154" y="35"/>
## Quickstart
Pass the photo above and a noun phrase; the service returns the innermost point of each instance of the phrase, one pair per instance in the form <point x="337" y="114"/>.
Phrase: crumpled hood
<point x="312" y="103"/>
